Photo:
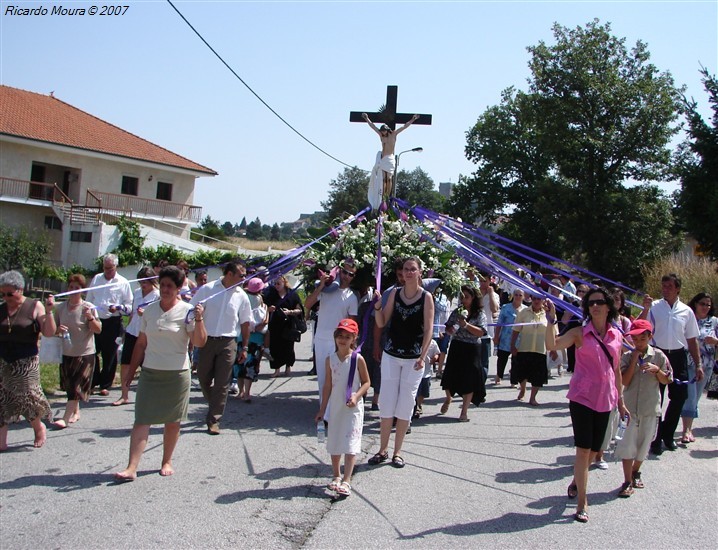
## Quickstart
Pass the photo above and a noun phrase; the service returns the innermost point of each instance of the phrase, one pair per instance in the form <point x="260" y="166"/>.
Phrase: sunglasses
<point x="596" y="303"/>
<point x="348" y="273"/>
<point x="8" y="294"/>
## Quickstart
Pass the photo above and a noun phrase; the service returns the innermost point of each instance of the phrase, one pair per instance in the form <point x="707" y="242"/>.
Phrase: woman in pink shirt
<point x="595" y="386"/>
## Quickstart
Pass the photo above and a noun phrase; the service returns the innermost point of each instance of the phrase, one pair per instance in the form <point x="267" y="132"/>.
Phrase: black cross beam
<point x="388" y="115"/>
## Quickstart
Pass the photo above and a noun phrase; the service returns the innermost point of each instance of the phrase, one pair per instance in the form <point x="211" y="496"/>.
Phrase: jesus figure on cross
<point x="385" y="162"/>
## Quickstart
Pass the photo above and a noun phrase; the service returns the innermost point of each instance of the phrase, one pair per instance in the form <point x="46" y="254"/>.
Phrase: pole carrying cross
<point x="388" y="115"/>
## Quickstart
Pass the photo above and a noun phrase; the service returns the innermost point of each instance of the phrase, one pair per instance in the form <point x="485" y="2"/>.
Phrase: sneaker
<point x="601" y="464"/>
<point x="234" y="389"/>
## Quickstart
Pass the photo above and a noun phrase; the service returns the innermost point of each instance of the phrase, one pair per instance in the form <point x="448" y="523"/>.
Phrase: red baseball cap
<point x="639" y="326"/>
<point x="349" y="325"/>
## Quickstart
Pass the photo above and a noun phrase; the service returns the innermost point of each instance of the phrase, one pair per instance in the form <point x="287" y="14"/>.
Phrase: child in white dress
<point x="346" y="412"/>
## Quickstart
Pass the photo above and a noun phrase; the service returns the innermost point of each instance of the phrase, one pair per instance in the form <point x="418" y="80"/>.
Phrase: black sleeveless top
<point x="406" y="332"/>
<point x="19" y="335"/>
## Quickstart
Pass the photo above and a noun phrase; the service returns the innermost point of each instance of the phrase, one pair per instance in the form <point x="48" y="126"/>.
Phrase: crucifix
<point x="382" y="175"/>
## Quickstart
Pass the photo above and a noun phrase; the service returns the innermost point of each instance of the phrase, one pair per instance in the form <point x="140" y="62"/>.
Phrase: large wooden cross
<point x="388" y="115"/>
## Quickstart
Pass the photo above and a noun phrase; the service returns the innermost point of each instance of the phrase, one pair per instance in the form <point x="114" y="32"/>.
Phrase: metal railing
<point x="98" y="203"/>
<point x="131" y="205"/>
<point x="22" y="189"/>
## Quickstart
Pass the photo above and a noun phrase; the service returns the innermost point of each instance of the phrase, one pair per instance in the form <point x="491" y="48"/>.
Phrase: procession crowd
<point x="392" y="343"/>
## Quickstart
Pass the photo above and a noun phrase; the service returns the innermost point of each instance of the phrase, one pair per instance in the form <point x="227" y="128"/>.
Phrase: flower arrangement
<point x="401" y="237"/>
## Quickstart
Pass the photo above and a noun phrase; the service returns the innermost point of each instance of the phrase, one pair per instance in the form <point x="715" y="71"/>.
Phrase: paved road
<point x="497" y="481"/>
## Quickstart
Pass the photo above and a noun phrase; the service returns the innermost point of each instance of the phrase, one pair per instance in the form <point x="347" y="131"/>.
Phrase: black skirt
<point x="530" y="366"/>
<point x="463" y="373"/>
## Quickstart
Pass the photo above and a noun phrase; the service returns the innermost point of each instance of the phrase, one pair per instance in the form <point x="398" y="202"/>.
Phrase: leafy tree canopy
<point x="698" y="166"/>
<point x="416" y="187"/>
<point x="553" y="161"/>
<point x="347" y="194"/>
<point x="24" y="250"/>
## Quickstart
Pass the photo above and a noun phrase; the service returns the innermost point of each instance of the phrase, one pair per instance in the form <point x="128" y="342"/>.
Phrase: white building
<point x="67" y="172"/>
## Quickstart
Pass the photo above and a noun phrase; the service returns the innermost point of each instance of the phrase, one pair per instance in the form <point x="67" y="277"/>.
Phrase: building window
<point x="164" y="191"/>
<point x="80" y="236"/>
<point x="53" y="222"/>
<point x="129" y="185"/>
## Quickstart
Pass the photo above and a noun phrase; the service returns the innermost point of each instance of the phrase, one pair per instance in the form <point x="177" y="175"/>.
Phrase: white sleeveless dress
<point x="345" y="423"/>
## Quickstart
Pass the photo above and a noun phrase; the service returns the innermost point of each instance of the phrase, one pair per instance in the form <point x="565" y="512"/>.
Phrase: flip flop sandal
<point x="626" y="490"/>
<point x="334" y="485"/>
<point x="572" y="491"/>
<point x="397" y="461"/>
<point x="637" y="481"/>
<point x="581" y="516"/>
<point x="344" y="489"/>
<point x="378" y="458"/>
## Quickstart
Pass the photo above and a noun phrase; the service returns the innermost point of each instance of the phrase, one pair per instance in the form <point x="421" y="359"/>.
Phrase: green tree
<point x="254" y="230"/>
<point x="243" y="223"/>
<point x="286" y="231"/>
<point x="698" y="168"/>
<point x="275" y="233"/>
<point x="417" y="188"/>
<point x="24" y="250"/>
<point x="228" y="229"/>
<point x="130" y="249"/>
<point x="556" y="158"/>
<point x="347" y="194"/>
<point x="209" y="227"/>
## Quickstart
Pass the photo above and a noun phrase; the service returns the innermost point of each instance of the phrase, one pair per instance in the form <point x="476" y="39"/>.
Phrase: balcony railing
<point x="21" y="189"/>
<point x="137" y="206"/>
<point x="98" y="203"/>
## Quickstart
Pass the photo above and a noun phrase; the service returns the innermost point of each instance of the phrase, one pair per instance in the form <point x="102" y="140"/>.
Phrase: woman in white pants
<point x="410" y="312"/>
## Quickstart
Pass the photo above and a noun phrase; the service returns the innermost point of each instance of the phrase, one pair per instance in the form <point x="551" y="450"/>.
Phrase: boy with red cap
<point x="642" y="369"/>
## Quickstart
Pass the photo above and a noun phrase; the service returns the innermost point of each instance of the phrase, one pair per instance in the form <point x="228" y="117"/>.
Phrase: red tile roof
<point x="45" y="118"/>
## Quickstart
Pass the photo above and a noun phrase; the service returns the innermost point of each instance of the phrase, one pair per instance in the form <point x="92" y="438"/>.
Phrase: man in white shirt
<point x="334" y="306"/>
<point x="227" y="313"/>
<point x="111" y="302"/>
<point x="675" y="331"/>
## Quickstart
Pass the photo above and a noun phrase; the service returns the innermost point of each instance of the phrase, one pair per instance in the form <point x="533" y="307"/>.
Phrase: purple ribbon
<point x="490" y="237"/>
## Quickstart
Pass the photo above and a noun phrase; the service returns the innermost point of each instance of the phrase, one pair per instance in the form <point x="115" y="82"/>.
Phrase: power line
<point x="253" y="92"/>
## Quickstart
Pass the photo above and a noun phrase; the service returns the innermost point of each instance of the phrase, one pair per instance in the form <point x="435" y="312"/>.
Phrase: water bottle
<point x="622" y="424"/>
<point x="321" y="432"/>
<point x="67" y="338"/>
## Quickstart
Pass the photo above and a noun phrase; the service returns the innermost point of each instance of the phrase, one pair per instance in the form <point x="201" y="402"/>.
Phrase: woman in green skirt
<point x="163" y="388"/>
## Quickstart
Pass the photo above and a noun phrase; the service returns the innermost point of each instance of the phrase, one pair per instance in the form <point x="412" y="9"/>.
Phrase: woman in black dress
<point x="463" y="373"/>
<point x="282" y="303"/>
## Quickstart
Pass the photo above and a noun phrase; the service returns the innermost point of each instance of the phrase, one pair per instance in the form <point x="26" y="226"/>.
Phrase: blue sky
<point x="313" y="62"/>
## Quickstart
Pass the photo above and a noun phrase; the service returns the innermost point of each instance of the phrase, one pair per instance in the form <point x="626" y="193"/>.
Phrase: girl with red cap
<point x="346" y="383"/>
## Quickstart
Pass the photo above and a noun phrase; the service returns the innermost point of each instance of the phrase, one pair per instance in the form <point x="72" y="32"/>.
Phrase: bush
<point x="697" y="275"/>
<point x="24" y="249"/>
